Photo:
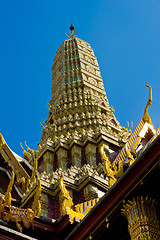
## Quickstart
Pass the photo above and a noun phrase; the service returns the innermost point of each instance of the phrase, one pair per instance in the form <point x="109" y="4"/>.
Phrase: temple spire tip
<point x="73" y="33"/>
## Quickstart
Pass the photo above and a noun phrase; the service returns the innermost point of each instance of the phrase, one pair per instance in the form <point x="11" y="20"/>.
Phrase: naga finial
<point x="26" y="146"/>
<point x="130" y="158"/>
<point x="110" y="169"/>
<point x="131" y="126"/>
<point x="22" y="148"/>
<point x="103" y="153"/>
<point x="146" y="117"/>
<point x="30" y="154"/>
<point x="42" y="125"/>
<point x="31" y="151"/>
<point x="127" y="125"/>
<point x="67" y="200"/>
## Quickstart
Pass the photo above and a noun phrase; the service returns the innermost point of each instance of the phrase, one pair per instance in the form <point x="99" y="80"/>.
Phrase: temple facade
<point x="90" y="178"/>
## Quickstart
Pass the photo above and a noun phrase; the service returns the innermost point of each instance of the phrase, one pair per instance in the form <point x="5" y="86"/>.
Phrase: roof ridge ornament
<point x="146" y="117"/>
<point x="73" y="32"/>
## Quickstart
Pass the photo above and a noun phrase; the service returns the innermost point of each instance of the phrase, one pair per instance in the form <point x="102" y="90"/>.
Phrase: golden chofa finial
<point x="2" y="142"/>
<point x="146" y="117"/>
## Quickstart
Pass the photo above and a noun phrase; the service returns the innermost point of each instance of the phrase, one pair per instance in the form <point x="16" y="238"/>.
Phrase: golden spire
<point x="146" y="117"/>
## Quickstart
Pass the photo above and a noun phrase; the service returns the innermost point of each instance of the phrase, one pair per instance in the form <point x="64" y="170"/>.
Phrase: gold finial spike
<point x="127" y="125"/>
<point x="146" y="117"/>
<point x="2" y="142"/>
<point x="72" y="29"/>
<point x="73" y="33"/>
<point x="131" y="126"/>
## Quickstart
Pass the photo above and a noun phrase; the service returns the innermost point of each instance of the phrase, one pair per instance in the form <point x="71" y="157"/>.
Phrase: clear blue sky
<point x="124" y="34"/>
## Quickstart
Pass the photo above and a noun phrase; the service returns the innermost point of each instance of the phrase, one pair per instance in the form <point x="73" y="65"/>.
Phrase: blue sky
<point x="125" y="36"/>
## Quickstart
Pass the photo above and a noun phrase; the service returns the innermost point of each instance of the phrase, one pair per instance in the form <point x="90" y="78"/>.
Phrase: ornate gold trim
<point x="2" y="142"/>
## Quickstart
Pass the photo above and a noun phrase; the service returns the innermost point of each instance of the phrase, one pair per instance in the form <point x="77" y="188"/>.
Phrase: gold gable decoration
<point x="20" y="215"/>
<point x="8" y="212"/>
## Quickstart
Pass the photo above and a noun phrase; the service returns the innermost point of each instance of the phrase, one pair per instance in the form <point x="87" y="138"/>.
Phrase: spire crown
<point x="73" y="32"/>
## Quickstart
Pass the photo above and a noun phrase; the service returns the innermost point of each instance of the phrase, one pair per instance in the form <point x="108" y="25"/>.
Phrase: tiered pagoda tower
<point x="80" y="120"/>
<point x="83" y="152"/>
